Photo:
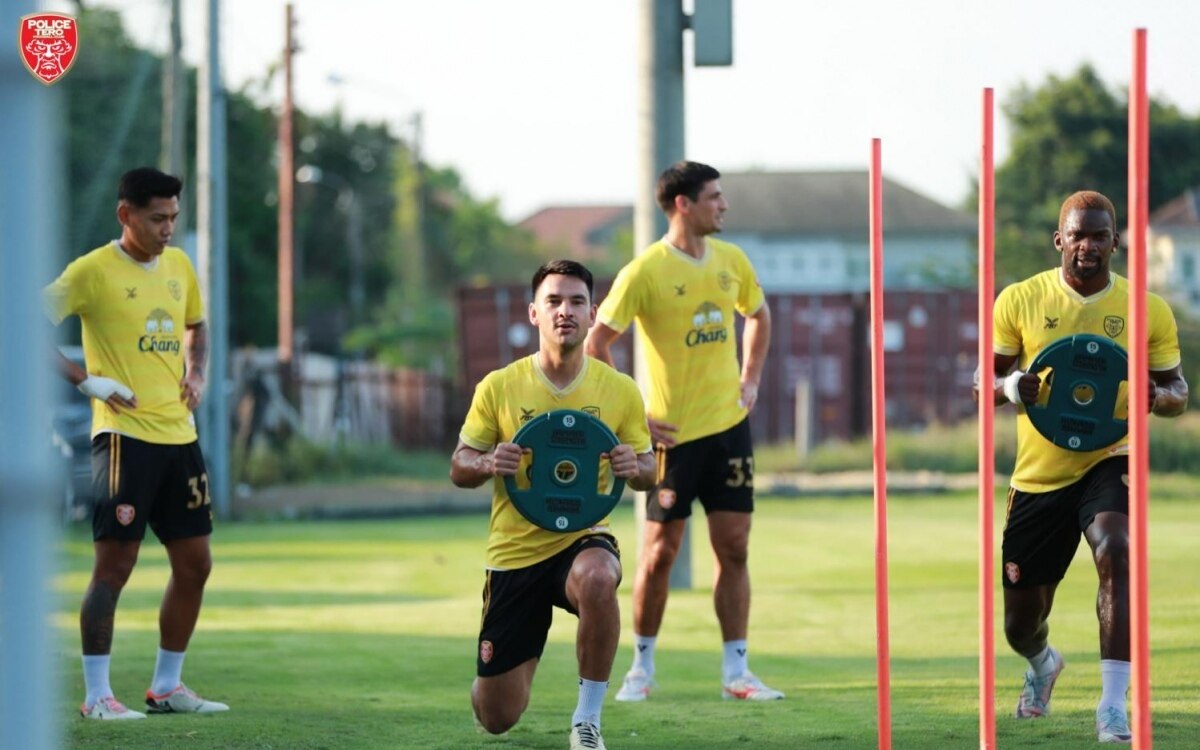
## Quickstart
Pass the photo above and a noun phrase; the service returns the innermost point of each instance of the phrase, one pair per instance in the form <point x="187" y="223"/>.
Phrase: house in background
<point x="1174" y="251"/>
<point x="810" y="231"/>
<point x="805" y="232"/>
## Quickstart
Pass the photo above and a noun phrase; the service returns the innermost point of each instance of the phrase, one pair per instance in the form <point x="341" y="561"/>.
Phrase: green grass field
<point x="362" y="635"/>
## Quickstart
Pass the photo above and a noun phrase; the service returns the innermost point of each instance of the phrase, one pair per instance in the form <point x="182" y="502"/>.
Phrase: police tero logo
<point x="160" y="333"/>
<point x="708" y="326"/>
<point x="48" y="43"/>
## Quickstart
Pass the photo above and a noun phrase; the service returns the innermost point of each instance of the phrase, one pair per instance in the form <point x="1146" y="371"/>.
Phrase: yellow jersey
<point x="684" y="309"/>
<point x="508" y="398"/>
<point x="133" y="319"/>
<point x="1035" y="313"/>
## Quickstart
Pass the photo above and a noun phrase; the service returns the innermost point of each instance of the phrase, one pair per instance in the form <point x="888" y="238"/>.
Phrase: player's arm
<point x="1007" y="386"/>
<point x="195" y="344"/>
<point x="1168" y="392"/>
<point x="756" y="339"/>
<point x="470" y="467"/>
<point x="117" y="395"/>
<point x="599" y="343"/>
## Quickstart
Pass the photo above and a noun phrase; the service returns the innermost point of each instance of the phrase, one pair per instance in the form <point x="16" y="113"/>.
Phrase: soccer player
<point x="144" y="347"/>
<point x="530" y="570"/>
<point x="683" y="291"/>
<point x="1057" y="494"/>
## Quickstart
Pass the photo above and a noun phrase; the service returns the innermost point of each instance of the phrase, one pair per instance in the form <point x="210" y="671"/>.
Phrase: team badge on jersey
<point x="175" y="290"/>
<point x="48" y="43"/>
<point x="1113" y="325"/>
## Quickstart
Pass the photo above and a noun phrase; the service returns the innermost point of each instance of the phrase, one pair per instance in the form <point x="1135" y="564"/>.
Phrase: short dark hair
<point x="139" y="186"/>
<point x="561" y="268"/>
<point x="1085" y="200"/>
<point x="682" y="178"/>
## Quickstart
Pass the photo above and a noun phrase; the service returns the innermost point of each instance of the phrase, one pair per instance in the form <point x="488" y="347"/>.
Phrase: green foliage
<point x="1174" y="447"/>
<point x="299" y="461"/>
<point x="1070" y="134"/>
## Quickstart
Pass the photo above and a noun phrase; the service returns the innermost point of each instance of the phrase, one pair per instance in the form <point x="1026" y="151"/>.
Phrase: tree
<point x="1071" y="134"/>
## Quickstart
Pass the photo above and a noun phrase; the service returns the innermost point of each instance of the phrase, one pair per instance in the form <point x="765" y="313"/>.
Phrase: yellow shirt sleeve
<point x="633" y="430"/>
<point x="481" y="429"/>
<point x="750" y="292"/>
<point x="1162" y="352"/>
<point x="623" y="302"/>
<point x="1006" y="328"/>
<point x="68" y="294"/>
<point x="195" y="303"/>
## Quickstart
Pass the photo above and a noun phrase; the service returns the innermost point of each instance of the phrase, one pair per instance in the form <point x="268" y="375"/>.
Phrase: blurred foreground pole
<point x="30" y="217"/>
<point x="660" y="144"/>
<point x="212" y="231"/>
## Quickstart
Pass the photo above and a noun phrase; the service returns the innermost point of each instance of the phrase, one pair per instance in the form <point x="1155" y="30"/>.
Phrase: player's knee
<point x="596" y="585"/>
<point x="1020" y="630"/>
<point x="659" y="558"/>
<point x="493" y="723"/>
<point x="495" y="717"/>
<point x="1112" y="555"/>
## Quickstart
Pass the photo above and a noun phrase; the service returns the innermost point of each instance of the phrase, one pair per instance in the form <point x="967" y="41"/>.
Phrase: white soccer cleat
<point x="109" y="709"/>
<point x="181" y="700"/>
<point x="585" y="736"/>
<point x="636" y="687"/>
<point x="1035" y="695"/>
<point x="1113" y="726"/>
<point x="749" y="688"/>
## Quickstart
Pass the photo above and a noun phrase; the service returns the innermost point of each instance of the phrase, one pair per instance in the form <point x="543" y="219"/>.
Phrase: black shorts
<point x="518" y="607"/>
<point x="718" y="469"/>
<point x="1042" y="532"/>
<point x="136" y="483"/>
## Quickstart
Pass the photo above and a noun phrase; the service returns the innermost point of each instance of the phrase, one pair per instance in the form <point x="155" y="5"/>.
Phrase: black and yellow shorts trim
<point x="518" y="606"/>
<point x="136" y="483"/>
<point x="717" y="469"/>
<point x="1043" y="529"/>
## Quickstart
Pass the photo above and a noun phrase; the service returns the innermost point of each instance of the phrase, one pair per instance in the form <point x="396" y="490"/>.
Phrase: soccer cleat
<point x="749" y="688"/>
<point x="1035" y="696"/>
<point x="636" y="686"/>
<point x="585" y="736"/>
<point x="181" y="700"/>
<point x="109" y="708"/>
<point x="1113" y="726"/>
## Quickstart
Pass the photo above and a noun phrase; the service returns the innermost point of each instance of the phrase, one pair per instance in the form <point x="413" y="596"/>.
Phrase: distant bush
<point x="299" y="461"/>
<point x="1174" y="447"/>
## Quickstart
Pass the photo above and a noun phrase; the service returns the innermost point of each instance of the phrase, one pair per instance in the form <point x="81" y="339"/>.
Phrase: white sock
<point x="643" y="653"/>
<point x="1043" y="663"/>
<point x="168" y="671"/>
<point x="1114" y="676"/>
<point x="734" y="661"/>
<point x="95" y="677"/>
<point x="591" y="700"/>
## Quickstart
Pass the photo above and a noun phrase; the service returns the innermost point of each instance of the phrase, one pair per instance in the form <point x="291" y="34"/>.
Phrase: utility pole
<point x="31" y="183"/>
<point x="287" y="203"/>
<point x="661" y="143"/>
<point x="212" y="225"/>
<point x="174" y="113"/>
<point x="414" y="276"/>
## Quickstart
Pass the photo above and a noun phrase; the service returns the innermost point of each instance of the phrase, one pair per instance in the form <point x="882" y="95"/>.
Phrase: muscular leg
<point x="499" y="701"/>
<point x="191" y="562"/>
<point x="113" y="564"/>
<point x="1026" y="618"/>
<point x="660" y="545"/>
<point x="592" y="591"/>
<point x="730" y="536"/>
<point x="1108" y="536"/>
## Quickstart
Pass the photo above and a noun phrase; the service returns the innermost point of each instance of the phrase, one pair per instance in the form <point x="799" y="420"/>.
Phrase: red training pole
<point x="987" y="439"/>
<point x="1139" y="397"/>
<point x="879" y="454"/>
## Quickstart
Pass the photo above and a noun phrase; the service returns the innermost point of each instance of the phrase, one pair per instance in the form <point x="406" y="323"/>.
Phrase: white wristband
<point x="101" y="389"/>
<point x="1011" y="392"/>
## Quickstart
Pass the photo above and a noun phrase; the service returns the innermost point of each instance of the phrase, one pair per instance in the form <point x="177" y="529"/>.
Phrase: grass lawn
<point x="362" y="635"/>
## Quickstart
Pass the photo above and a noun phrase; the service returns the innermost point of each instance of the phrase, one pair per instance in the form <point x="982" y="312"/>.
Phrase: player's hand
<point x="117" y="395"/>
<point x="749" y="396"/>
<point x="1029" y="386"/>
<point x="1153" y="395"/>
<point x="623" y="461"/>
<point x="191" y="389"/>
<point x="506" y="457"/>
<point x="662" y="433"/>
